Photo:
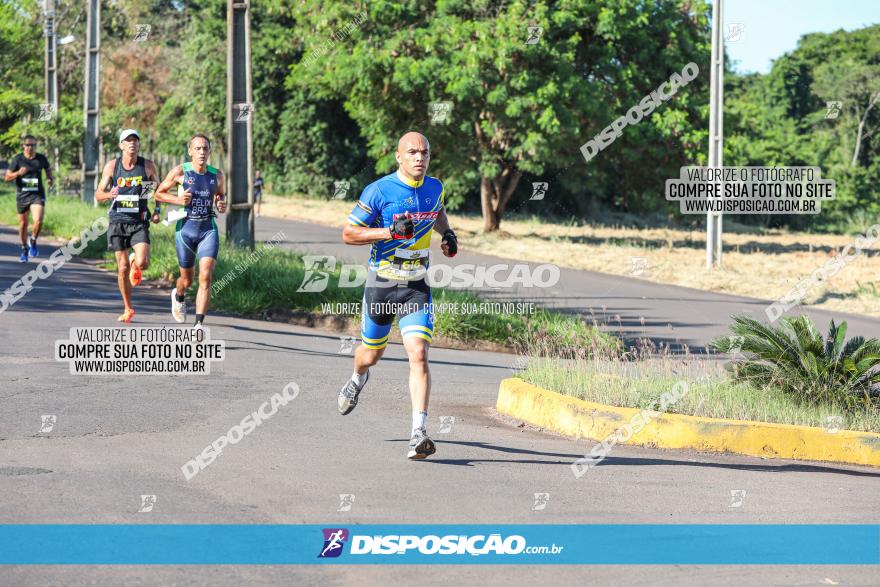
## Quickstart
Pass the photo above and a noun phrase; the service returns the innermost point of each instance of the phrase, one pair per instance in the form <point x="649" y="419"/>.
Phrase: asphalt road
<point x="627" y="306"/>
<point x="119" y="437"/>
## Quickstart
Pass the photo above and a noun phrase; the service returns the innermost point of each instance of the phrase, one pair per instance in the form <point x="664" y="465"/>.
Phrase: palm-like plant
<point x="796" y="359"/>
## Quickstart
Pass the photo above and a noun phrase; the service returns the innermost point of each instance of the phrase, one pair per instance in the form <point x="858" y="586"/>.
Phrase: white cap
<point x="127" y="133"/>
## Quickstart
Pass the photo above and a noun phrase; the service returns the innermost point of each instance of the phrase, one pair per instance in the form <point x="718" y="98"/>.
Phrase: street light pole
<point x="716" y="129"/>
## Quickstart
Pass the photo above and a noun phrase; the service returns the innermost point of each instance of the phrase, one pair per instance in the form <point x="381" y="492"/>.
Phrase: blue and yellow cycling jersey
<point x="385" y="200"/>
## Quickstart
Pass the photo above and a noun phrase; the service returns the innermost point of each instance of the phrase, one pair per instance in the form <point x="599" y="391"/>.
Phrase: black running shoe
<point x="347" y="399"/>
<point x="420" y="446"/>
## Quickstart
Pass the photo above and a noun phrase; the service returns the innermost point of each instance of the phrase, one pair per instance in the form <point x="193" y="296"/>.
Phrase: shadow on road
<point x="632" y="461"/>
<point x="469" y="462"/>
<point x="768" y="468"/>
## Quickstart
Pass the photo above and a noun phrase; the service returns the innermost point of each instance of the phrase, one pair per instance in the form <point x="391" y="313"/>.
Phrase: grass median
<point x="710" y="392"/>
<point x="263" y="283"/>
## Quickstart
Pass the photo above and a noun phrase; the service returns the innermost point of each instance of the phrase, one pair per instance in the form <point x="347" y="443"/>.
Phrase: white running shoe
<point x="178" y="309"/>
<point x="347" y="399"/>
<point x="420" y="446"/>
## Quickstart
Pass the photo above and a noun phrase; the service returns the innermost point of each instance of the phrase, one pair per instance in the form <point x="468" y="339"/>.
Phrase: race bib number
<point x="30" y="184"/>
<point x="406" y="264"/>
<point x="128" y="203"/>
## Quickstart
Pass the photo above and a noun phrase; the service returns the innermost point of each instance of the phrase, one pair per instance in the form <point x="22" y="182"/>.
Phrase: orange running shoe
<point x="127" y="315"/>
<point x="134" y="274"/>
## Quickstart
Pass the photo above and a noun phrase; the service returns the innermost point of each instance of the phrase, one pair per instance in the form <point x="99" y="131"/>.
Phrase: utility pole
<point x="91" y="102"/>
<point x="239" y="125"/>
<point x="716" y="128"/>
<point x="50" y="94"/>
<point x="51" y="69"/>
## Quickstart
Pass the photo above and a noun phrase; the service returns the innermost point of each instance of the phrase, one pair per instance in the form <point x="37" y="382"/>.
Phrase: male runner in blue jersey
<point x="395" y="216"/>
<point x="200" y="188"/>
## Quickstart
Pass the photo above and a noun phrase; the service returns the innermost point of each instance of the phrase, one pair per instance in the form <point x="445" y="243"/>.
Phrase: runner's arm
<point x="449" y="244"/>
<point x="49" y="179"/>
<point x="13" y="175"/>
<point x="153" y="176"/>
<point x="441" y="224"/>
<point x="361" y="235"/>
<point x="152" y="172"/>
<point x="220" y="196"/>
<point x="172" y="180"/>
<point x="358" y="231"/>
<point x="101" y="194"/>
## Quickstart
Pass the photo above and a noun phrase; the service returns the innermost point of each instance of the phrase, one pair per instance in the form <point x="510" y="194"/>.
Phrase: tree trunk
<point x="860" y="134"/>
<point x="490" y="218"/>
<point x="855" y="159"/>
<point x="495" y="193"/>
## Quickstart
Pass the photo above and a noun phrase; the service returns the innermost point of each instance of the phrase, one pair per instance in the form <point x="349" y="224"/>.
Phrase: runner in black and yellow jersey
<point x="123" y="181"/>
<point x="395" y="215"/>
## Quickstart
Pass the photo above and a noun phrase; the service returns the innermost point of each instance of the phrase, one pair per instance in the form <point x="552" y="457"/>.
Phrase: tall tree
<point x="856" y="86"/>
<point x="818" y="106"/>
<point x="21" y="87"/>
<point x="506" y="106"/>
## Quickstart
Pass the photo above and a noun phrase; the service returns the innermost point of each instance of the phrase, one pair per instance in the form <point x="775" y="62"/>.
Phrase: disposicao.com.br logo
<point x="334" y="540"/>
<point x="319" y="271"/>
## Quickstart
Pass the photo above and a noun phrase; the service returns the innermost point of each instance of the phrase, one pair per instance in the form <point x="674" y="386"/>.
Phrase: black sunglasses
<point x="29" y="145"/>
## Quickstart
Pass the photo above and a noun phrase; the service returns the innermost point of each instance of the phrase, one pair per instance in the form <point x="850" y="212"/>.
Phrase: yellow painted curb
<point x="583" y="419"/>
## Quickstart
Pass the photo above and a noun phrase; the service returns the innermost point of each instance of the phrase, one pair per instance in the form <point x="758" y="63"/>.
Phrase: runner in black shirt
<point x="26" y="169"/>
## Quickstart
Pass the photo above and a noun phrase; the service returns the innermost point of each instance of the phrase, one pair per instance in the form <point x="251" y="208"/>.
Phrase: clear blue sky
<point x="771" y="28"/>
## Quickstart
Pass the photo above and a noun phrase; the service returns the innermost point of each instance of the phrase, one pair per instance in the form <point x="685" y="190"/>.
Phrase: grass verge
<point x="265" y="284"/>
<point x="710" y="393"/>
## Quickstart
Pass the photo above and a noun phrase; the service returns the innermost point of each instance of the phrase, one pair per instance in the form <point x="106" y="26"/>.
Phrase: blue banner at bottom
<point x="210" y="544"/>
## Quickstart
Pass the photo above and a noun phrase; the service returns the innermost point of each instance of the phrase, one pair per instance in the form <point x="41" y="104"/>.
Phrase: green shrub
<point x="794" y="358"/>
